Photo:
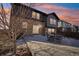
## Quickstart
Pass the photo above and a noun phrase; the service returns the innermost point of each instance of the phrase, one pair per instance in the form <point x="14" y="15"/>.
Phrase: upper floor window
<point x="52" y="21"/>
<point x="64" y="24"/>
<point x="38" y="16"/>
<point x="35" y="15"/>
<point x="59" y="24"/>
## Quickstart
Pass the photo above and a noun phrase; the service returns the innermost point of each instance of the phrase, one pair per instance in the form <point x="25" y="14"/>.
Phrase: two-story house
<point x="32" y="21"/>
<point x="28" y="19"/>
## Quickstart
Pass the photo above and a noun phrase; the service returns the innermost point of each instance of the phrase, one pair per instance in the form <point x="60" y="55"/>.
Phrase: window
<point x="35" y="15"/>
<point x="59" y="24"/>
<point x="64" y="24"/>
<point x="38" y="16"/>
<point x="51" y="30"/>
<point x="52" y="21"/>
<point x="36" y="28"/>
<point x="24" y="25"/>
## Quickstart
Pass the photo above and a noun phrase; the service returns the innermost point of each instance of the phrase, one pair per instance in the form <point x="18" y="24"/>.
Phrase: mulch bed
<point x="23" y="50"/>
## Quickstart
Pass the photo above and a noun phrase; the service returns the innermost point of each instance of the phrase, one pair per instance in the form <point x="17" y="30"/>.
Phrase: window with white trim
<point x="52" y="21"/>
<point x="38" y="16"/>
<point x="59" y="24"/>
<point x="35" y="15"/>
<point x="51" y="30"/>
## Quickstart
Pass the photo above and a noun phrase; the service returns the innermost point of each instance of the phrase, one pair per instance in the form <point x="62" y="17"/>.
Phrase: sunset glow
<point x="66" y="14"/>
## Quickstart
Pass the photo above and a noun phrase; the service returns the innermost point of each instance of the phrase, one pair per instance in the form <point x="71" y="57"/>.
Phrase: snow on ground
<point x="36" y="37"/>
<point x="64" y="40"/>
<point x="48" y="49"/>
<point x="32" y="37"/>
<point x="39" y="46"/>
<point x="70" y="41"/>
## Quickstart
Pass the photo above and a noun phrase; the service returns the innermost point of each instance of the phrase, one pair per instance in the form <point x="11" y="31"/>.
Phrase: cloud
<point x="7" y="10"/>
<point x="65" y="14"/>
<point x="71" y="16"/>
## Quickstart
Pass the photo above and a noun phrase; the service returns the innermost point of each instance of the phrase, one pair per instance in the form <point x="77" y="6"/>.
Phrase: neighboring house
<point x="32" y="20"/>
<point x="64" y="26"/>
<point x="78" y="28"/>
<point x="67" y="26"/>
<point x="75" y="28"/>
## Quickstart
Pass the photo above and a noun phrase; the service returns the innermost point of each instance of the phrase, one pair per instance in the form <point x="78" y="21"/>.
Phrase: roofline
<point x="46" y="13"/>
<point x="43" y="12"/>
<point x="40" y="11"/>
<point x="34" y="9"/>
<point x="53" y="13"/>
<point x="65" y="22"/>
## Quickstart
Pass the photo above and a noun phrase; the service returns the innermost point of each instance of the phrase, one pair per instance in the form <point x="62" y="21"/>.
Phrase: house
<point x="52" y="23"/>
<point x="32" y="21"/>
<point x="78" y="28"/>
<point x="64" y="26"/>
<point x="75" y="28"/>
<point x="60" y="26"/>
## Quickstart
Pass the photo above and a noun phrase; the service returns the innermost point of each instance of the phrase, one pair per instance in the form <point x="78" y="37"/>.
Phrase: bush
<point x="71" y="34"/>
<point x="19" y="35"/>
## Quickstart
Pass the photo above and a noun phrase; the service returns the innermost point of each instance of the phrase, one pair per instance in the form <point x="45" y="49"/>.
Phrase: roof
<point x="40" y="11"/>
<point x="53" y="13"/>
<point x="26" y="4"/>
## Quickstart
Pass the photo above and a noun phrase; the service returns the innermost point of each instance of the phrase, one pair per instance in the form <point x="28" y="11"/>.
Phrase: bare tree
<point x="4" y="23"/>
<point x="12" y="28"/>
<point x="16" y="20"/>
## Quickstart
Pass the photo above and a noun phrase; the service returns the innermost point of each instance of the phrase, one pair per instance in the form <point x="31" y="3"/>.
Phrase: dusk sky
<point x="66" y="11"/>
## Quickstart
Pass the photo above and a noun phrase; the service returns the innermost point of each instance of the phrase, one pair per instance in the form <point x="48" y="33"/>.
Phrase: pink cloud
<point x="6" y="10"/>
<point x="66" y="14"/>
